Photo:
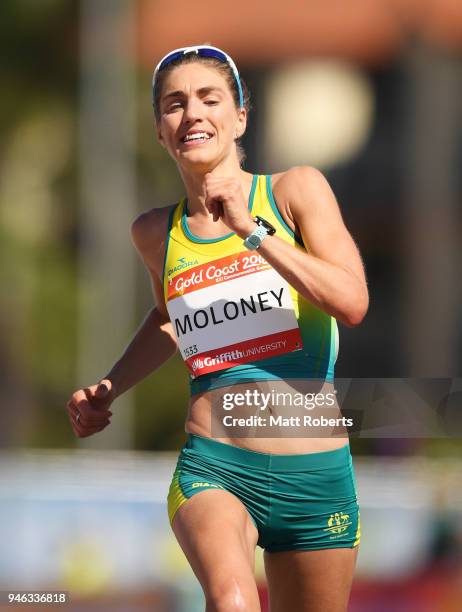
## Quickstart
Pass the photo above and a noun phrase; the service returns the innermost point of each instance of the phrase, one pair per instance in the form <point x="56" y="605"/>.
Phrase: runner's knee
<point x="228" y="597"/>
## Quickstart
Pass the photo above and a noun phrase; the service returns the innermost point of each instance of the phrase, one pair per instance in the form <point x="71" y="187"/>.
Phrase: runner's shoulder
<point x="151" y="224"/>
<point x="298" y="189"/>
<point x="149" y="234"/>
<point x="297" y="180"/>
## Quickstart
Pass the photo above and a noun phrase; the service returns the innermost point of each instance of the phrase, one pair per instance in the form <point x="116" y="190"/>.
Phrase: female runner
<point x="250" y="274"/>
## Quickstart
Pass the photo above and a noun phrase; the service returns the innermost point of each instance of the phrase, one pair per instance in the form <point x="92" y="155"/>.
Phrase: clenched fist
<point x="88" y="408"/>
<point x="225" y="200"/>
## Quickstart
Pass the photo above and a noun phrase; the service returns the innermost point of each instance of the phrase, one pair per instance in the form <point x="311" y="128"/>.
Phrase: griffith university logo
<point x="197" y="363"/>
<point x="182" y="264"/>
<point x="338" y="523"/>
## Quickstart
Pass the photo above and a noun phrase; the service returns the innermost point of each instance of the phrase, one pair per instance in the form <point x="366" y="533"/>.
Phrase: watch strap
<point x="264" y="223"/>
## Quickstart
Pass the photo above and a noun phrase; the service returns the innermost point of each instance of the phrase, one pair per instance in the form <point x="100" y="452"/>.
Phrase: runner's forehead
<point x="201" y="91"/>
<point x="194" y="75"/>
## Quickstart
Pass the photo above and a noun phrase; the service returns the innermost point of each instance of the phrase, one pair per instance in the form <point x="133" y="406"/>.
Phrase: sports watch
<point x="263" y="229"/>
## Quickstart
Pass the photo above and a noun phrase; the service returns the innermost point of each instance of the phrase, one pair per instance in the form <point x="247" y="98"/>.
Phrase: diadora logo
<point x="338" y="523"/>
<point x="195" y="485"/>
<point x="182" y="264"/>
<point x="197" y="364"/>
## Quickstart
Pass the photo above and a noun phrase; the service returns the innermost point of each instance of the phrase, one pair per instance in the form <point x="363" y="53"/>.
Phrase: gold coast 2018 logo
<point x="337" y="524"/>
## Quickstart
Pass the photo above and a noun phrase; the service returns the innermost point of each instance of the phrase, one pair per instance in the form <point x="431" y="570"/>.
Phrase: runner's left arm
<point x="331" y="274"/>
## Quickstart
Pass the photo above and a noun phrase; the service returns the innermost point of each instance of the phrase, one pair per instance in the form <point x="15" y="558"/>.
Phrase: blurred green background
<point x="370" y="92"/>
<point x="59" y="324"/>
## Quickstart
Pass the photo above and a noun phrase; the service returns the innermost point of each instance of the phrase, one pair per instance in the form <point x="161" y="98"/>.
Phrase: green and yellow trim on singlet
<point x="318" y="329"/>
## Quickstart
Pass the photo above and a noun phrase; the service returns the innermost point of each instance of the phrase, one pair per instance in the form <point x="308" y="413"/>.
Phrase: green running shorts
<point x="297" y="502"/>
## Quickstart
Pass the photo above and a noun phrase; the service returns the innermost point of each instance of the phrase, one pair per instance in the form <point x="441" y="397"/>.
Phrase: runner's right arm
<point x="155" y="341"/>
<point x="152" y="345"/>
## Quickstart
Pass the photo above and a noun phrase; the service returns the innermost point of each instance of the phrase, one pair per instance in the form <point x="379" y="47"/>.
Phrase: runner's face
<point x="199" y="121"/>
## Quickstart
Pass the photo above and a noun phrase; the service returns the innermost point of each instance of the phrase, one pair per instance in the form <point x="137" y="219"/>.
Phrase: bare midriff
<point x="300" y="416"/>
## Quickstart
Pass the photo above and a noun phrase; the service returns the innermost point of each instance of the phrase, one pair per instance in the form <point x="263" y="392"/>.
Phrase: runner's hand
<point x="92" y="403"/>
<point x="225" y="200"/>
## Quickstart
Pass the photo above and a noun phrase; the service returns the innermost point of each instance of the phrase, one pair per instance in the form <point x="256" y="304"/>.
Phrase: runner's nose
<point x="193" y="110"/>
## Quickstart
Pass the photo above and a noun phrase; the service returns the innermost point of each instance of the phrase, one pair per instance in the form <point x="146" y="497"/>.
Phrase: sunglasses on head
<point x="202" y="51"/>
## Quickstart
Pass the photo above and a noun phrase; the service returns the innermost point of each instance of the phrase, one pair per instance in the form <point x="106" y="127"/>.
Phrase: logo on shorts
<point x="338" y="523"/>
<point x="205" y="484"/>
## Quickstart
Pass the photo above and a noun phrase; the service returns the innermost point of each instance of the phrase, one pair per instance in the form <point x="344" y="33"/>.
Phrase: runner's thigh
<point x="219" y="538"/>
<point x="310" y="580"/>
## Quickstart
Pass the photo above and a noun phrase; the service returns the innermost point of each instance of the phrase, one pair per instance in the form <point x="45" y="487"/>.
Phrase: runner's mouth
<point x="197" y="137"/>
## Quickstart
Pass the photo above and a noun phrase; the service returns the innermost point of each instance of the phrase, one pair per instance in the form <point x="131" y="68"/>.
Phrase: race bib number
<point x="231" y="311"/>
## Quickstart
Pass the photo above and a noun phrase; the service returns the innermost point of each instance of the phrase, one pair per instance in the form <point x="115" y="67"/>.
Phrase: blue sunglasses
<point x="202" y="51"/>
